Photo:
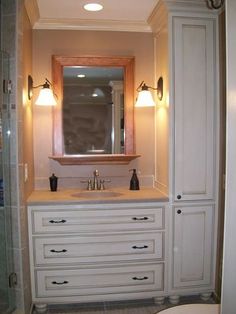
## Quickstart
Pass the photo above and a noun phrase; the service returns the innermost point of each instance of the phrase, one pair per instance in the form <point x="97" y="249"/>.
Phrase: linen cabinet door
<point x="192" y="246"/>
<point x="194" y="113"/>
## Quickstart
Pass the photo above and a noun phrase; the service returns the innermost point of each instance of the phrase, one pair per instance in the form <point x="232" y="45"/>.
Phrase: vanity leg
<point x="41" y="308"/>
<point x="205" y="296"/>
<point x="174" y="299"/>
<point x="159" y="300"/>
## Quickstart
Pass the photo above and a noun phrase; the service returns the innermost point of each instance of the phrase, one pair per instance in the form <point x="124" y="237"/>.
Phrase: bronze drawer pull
<point x="140" y="247"/>
<point x="141" y="218"/>
<point x="57" y="221"/>
<point x="60" y="251"/>
<point x="60" y="283"/>
<point x="141" y="278"/>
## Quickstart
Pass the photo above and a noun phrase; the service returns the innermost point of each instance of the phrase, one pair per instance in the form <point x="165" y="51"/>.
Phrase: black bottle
<point x="53" y="182"/>
<point x="134" y="182"/>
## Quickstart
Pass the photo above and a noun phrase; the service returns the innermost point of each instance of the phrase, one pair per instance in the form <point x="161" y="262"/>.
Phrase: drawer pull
<point x="140" y="247"/>
<point x="59" y="251"/>
<point x="57" y="221"/>
<point x="140" y="218"/>
<point x="140" y="278"/>
<point x="60" y="283"/>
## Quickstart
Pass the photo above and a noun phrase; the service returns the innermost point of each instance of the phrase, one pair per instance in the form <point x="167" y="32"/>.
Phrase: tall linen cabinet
<point x="187" y="135"/>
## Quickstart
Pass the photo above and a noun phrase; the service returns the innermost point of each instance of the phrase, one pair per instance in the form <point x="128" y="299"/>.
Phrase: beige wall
<point x="47" y="43"/>
<point x="27" y="127"/>
<point x="162" y="114"/>
<point x="26" y="142"/>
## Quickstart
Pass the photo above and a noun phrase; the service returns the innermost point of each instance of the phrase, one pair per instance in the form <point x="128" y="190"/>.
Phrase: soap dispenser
<point x="134" y="182"/>
<point x="53" y="183"/>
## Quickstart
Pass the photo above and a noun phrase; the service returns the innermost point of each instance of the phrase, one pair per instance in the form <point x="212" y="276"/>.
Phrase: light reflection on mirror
<point x="93" y="110"/>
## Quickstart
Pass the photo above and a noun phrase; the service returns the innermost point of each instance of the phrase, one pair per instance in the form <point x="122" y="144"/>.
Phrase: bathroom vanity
<point x="118" y="247"/>
<point x="86" y="249"/>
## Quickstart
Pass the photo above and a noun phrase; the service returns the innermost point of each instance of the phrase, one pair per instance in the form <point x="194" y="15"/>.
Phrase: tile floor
<point x="125" y="307"/>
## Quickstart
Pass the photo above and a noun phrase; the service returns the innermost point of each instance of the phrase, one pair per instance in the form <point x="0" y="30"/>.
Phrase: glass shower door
<point x="7" y="276"/>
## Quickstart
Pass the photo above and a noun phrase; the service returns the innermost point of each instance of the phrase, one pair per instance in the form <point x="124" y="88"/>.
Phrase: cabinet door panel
<point x="192" y="250"/>
<point x="194" y="108"/>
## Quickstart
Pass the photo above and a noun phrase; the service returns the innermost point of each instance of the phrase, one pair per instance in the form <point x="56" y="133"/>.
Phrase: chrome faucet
<point x="95" y="180"/>
<point x="95" y="184"/>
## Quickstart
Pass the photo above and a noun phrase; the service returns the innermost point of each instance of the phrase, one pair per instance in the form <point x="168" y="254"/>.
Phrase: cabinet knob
<point x="179" y="211"/>
<point x="178" y="197"/>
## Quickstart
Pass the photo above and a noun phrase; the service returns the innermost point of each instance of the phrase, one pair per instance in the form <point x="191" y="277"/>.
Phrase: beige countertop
<point x="115" y="195"/>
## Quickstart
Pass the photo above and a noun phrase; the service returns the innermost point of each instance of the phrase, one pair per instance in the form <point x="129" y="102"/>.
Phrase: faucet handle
<point x="89" y="182"/>
<point x="102" y="186"/>
<point x="89" y="187"/>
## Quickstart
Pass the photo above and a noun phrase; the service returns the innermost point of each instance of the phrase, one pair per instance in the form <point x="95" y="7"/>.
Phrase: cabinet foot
<point x="205" y="296"/>
<point x="159" y="300"/>
<point x="174" y="299"/>
<point x="41" y="308"/>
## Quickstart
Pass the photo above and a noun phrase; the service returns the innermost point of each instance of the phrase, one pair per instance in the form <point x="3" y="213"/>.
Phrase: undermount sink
<point x="96" y="194"/>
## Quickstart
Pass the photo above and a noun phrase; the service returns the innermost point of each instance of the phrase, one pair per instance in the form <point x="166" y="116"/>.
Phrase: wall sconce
<point x="46" y="97"/>
<point x="145" y="97"/>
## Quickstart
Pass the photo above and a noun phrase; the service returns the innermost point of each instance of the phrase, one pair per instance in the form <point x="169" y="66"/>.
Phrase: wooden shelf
<point x="118" y="159"/>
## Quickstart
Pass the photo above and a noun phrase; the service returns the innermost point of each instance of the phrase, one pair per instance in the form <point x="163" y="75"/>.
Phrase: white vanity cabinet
<point x="193" y="232"/>
<point x="195" y="108"/>
<point x="194" y="154"/>
<point x="97" y="252"/>
<point x="186" y="49"/>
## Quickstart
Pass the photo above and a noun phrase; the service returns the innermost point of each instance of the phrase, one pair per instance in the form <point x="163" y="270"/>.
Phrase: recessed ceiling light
<point x="93" y="7"/>
<point x="81" y="75"/>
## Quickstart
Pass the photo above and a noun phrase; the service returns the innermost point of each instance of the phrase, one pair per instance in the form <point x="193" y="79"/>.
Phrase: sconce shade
<point x="45" y="97"/>
<point x="145" y="99"/>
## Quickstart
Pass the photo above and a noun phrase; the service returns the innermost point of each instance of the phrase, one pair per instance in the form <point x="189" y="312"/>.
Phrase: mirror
<point x="93" y="119"/>
<point x="93" y="110"/>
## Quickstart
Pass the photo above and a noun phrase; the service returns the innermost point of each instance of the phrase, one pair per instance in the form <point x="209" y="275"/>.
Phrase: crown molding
<point x="32" y="10"/>
<point x="158" y="19"/>
<point x="98" y="25"/>
<point x="187" y="4"/>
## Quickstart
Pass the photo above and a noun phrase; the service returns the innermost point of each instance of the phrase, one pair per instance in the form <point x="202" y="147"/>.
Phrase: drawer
<point x="94" y="281"/>
<point x="69" y="221"/>
<point x="98" y="248"/>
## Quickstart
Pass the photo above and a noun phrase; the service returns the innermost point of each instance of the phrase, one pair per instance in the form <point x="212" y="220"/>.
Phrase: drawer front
<point x="69" y="221"/>
<point x="97" y="248"/>
<point x="56" y="283"/>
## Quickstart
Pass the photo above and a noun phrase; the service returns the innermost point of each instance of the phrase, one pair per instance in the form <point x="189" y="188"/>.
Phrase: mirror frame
<point x="58" y="62"/>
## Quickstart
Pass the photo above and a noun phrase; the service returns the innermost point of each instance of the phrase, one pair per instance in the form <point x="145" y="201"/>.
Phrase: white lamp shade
<point x="145" y="99"/>
<point x="45" y="98"/>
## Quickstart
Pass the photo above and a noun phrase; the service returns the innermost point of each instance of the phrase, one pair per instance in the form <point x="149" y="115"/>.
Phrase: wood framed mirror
<point x="120" y="150"/>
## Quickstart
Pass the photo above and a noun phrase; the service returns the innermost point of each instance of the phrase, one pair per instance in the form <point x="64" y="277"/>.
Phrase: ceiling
<point x="117" y="15"/>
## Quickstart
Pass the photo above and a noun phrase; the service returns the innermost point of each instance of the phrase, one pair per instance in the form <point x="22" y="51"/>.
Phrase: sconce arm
<point x="143" y="87"/>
